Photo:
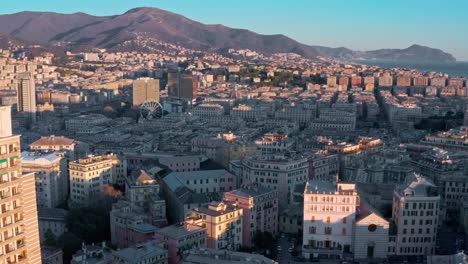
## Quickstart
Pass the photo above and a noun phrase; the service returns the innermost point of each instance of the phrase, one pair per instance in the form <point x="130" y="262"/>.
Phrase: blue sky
<point x="356" y="24"/>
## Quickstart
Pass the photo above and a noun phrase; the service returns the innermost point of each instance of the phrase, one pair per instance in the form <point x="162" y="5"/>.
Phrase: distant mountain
<point x="414" y="53"/>
<point x="82" y="30"/>
<point x="42" y="26"/>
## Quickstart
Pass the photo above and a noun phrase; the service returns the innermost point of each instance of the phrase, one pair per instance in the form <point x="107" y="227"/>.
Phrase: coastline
<point x="453" y="69"/>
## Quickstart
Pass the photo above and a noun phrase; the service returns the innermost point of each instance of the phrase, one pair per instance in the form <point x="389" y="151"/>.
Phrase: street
<point x="284" y="257"/>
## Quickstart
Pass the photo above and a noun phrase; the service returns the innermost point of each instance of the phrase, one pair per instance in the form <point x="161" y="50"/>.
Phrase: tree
<point x="69" y="243"/>
<point x="50" y="239"/>
<point x="266" y="241"/>
<point x="89" y="224"/>
<point x="449" y="114"/>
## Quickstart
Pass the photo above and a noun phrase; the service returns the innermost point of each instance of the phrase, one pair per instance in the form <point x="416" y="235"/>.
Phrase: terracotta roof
<point x="53" y="140"/>
<point x="144" y="177"/>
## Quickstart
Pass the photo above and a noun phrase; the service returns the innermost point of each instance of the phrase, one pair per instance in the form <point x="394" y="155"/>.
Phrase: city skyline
<point x="395" y="24"/>
<point x="150" y="137"/>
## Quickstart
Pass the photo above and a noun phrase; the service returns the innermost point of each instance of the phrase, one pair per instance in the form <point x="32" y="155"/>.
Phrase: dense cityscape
<point x="179" y="155"/>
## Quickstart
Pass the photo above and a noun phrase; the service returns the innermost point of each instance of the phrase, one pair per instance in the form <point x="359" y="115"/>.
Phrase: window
<point x="344" y="220"/>
<point x="313" y="218"/>
<point x="373" y="227"/>
<point x="343" y="232"/>
<point x="328" y="219"/>
<point x="312" y="230"/>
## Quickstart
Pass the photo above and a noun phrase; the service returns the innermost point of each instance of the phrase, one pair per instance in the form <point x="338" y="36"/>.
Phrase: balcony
<point x="13" y="181"/>
<point x="9" y="250"/>
<point x="10" y="211"/>
<point x="7" y="238"/>
<point x="12" y="152"/>
<point x="22" y="259"/>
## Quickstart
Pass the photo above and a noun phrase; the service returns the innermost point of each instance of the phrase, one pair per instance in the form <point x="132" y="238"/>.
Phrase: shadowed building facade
<point x="19" y="229"/>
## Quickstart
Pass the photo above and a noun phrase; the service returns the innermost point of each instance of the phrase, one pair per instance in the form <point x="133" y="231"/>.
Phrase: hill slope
<point x="83" y="30"/>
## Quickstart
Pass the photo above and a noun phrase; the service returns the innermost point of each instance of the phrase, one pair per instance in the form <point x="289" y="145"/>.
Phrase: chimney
<point x="5" y="122"/>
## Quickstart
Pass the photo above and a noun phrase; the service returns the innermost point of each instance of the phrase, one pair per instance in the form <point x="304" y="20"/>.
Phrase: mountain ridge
<point x="83" y="30"/>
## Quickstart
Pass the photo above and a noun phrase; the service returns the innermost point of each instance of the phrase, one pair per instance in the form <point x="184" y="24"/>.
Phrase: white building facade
<point x="329" y="217"/>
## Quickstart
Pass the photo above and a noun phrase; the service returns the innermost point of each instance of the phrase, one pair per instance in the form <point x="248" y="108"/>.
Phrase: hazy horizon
<point x="393" y="24"/>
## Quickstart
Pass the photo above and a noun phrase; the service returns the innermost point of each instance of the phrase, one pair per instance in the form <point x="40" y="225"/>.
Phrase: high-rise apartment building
<point x="421" y="81"/>
<point x="19" y="229"/>
<point x="331" y="81"/>
<point x="403" y="81"/>
<point x="386" y="81"/>
<point x="356" y="81"/>
<point x="26" y="92"/>
<point x="456" y="82"/>
<point x="343" y="81"/>
<point x="439" y="81"/>
<point x="145" y="89"/>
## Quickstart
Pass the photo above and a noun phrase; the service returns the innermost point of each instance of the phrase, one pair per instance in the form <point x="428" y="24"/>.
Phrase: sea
<point x="453" y="69"/>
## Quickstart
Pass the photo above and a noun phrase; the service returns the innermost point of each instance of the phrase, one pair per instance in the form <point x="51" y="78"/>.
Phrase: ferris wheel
<point x="150" y="110"/>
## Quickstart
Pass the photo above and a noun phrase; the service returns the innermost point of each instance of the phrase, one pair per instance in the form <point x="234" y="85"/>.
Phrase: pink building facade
<point x="130" y="236"/>
<point x="180" y="238"/>
<point x="260" y="210"/>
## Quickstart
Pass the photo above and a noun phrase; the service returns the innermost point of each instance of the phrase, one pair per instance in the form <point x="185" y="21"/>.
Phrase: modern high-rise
<point x="145" y="89"/>
<point x="182" y="86"/>
<point x="26" y="91"/>
<point x="19" y="231"/>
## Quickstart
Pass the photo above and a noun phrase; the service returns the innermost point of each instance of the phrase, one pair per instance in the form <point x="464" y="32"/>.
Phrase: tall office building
<point x="182" y="86"/>
<point x="19" y="231"/>
<point x="26" y="91"/>
<point x="145" y="89"/>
